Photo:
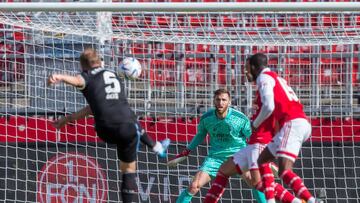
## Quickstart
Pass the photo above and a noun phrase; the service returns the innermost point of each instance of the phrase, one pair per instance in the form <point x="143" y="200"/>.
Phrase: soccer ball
<point x="131" y="68"/>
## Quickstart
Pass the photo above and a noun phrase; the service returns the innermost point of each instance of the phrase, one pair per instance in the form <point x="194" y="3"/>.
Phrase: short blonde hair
<point x="90" y="59"/>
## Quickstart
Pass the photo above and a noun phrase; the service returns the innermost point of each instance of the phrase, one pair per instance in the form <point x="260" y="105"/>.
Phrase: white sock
<point x="158" y="147"/>
<point x="296" y="200"/>
<point x="271" y="201"/>
<point x="311" y="200"/>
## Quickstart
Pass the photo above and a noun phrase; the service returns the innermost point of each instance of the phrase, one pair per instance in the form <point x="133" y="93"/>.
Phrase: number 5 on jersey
<point x="112" y="87"/>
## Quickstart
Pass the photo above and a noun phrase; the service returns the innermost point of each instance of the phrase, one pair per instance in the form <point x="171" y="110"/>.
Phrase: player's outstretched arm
<point x="76" y="81"/>
<point x="82" y="113"/>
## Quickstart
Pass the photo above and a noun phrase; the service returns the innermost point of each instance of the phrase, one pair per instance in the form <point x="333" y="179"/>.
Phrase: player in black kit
<point x="115" y="122"/>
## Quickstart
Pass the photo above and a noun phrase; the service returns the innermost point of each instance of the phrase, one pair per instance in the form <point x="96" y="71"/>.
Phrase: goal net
<point x="185" y="57"/>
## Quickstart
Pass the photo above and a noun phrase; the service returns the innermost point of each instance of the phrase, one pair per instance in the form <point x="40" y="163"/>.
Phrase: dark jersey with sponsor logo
<point x="104" y="91"/>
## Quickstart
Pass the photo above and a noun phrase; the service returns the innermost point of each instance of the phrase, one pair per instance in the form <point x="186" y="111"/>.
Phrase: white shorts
<point x="288" y="141"/>
<point x="246" y="158"/>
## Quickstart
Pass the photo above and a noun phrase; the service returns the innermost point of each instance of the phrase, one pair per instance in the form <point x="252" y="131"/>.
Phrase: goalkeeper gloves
<point x="179" y="157"/>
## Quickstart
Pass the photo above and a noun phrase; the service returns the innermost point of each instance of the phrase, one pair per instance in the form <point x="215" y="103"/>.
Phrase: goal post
<point x="187" y="51"/>
<point x="184" y="7"/>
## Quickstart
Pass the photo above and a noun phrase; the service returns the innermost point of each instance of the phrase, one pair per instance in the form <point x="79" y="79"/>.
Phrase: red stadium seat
<point x="300" y="49"/>
<point x="355" y="71"/>
<point x="296" y="21"/>
<point x="196" y="21"/>
<point x="331" y="71"/>
<point x="297" y="71"/>
<point x="139" y="48"/>
<point x="203" y="48"/>
<point x="265" y="49"/>
<point x="163" y="21"/>
<point x="222" y="72"/>
<point x="162" y="72"/>
<point x="264" y="21"/>
<point x="228" y="21"/>
<point x="197" y="72"/>
<point x="165" y="48"/>
<point x="129" y="21"/>
<point x="329" y="20"/>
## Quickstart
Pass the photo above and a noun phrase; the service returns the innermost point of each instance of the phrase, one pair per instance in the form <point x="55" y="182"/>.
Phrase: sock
<point x="217" y="188"/>
<point x="128" y="187"/>
<point x="184" y="197"/>
<point x="282" y="194"/>
<point x="311" y="200"/>
<point x="295" y="182"/>
<point x="259" y="196"/>
<point x="268" y="181"/>
<point x="144" y="137"/>
<point x="158" y="147"/>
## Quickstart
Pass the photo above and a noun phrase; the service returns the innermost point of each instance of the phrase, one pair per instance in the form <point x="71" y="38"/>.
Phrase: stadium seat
<point x="196" y="21"/>
<point x="128" y="21"/>
<point x="228" y="21"/>
<point x="355" y="71"/>
<point x="163" y="21"/>
<point x="265" y="49"/>
<point x="139" y="48"/>
<point x="295" y="21"/>
<point x="297" y="71"/>
<point x="197" y="72"/>
<point x="299" y="49"/>
<point x="222" y="72"/>
<point x="203" y="48"/>
<point x="329" y="21"/>
<point x="162" y="72"/>
<point x="264" y="21"/>
<point x="330" y="71"/>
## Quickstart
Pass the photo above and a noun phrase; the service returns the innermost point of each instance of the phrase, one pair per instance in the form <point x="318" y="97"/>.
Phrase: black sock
<point x="128" y="187"/>
<point x="144" y="137"/>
